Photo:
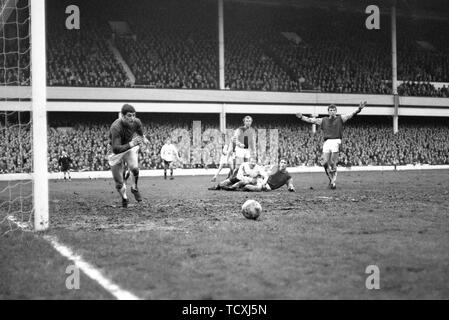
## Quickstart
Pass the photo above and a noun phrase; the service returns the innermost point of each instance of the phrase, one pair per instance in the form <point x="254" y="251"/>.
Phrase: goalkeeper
<point x="126" y="136"/>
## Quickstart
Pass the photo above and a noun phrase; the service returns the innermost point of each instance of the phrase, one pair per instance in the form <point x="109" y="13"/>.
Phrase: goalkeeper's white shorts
<point x="331" y="145"/>
<point x="130" y="155"/>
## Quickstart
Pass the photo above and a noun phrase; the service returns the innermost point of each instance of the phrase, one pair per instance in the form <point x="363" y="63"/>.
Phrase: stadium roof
<point x="411" y="7"/>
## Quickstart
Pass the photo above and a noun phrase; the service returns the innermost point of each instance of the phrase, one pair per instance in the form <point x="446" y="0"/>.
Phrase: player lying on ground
<point x="227" y="158"/>
<point x="278" y="177"/>
<point x="332" y="127"/>
<point x="250" y="173"/>
<point x="169" y="153"/>
<point x="126" y="136"/>
<point x="247" y="174"/>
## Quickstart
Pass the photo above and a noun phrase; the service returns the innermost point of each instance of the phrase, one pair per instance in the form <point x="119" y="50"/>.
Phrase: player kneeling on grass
<point x="278" y="177"/>
<point x="126" y="136"/>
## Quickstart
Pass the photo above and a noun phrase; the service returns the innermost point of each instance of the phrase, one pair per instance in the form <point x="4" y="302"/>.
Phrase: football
<point x="251" y="209"/>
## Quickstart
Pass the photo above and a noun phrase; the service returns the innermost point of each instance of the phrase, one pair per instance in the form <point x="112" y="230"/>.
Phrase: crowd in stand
<point x="175" y="45"/>
<point x="364" y="143"/>
<point x="172" y="47"/>
<point x="82" y="58"/>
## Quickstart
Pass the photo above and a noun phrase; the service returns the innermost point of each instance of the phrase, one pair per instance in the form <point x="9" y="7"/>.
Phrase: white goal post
<point x="39" y="114"/>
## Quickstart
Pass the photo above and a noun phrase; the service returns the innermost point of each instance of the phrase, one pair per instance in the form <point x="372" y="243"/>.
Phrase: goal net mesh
<point x="16" y="195"/>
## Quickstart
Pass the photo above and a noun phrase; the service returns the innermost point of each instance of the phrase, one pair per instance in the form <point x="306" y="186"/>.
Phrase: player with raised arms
<point x="332" y="127"/>
<point x="126" y="134"/>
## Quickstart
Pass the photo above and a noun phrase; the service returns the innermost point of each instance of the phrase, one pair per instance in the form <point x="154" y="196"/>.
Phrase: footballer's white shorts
<point x="331" y="145"/>
<point x="242" y="153"/>
<point x="130" y="155"/>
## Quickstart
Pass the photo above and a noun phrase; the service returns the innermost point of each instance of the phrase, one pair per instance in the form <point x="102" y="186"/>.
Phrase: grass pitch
<point x="186" y="242"/>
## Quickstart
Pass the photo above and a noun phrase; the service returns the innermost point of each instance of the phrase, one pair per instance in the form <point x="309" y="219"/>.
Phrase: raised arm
<point x="290" y="185"/>
<point x="346" y="117"/>
<point x="317" y="121"/>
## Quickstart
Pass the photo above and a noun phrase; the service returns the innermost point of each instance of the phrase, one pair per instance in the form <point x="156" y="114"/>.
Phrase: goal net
<point x="23" y="177"/>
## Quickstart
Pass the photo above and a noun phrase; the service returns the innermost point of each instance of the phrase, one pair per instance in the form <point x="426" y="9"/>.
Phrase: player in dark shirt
<point x="332" y="127"/>
<point x="279" y="176"/>
<point x="64" y="162"/>
<point x="126" y="136"/>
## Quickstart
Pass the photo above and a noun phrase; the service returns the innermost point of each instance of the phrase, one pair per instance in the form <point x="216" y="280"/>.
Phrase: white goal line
<point x="90" y="271"/>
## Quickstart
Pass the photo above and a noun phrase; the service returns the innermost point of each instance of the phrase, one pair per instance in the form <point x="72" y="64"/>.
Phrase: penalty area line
<point x="84" y="266"/>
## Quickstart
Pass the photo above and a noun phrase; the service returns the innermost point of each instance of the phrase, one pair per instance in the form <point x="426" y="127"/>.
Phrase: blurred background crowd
<point x="366" y="141"/>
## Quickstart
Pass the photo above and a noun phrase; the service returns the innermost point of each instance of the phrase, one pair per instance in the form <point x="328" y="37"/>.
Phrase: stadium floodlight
<point x="39" y="115"/>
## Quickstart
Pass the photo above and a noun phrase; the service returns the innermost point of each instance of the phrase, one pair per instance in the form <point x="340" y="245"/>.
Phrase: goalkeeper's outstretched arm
<point x="290" y="185"/>
<point x="346" y="117"/>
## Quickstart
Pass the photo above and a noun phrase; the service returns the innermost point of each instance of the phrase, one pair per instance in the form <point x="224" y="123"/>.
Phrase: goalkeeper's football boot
<point x="125" y="202"/>
<point x="136" y="194"/>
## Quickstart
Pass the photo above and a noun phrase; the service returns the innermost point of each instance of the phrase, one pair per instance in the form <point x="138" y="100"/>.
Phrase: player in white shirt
<point x="169" y="153"/>
<point x="250" y="173"/>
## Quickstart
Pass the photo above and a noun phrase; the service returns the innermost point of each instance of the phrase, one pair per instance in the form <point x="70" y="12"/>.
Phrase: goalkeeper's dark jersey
<point x="121" y="134"/>
<point x="278" y="179"/>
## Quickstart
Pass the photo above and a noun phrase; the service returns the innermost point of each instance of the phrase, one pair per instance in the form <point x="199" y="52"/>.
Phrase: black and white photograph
<point x="246" y="151"/>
